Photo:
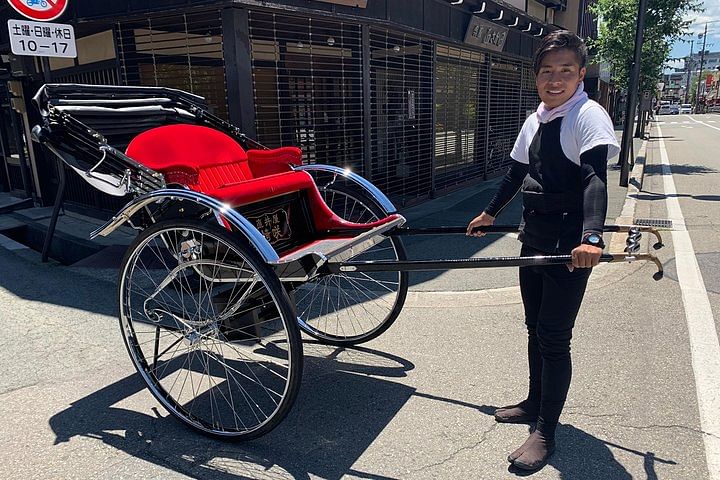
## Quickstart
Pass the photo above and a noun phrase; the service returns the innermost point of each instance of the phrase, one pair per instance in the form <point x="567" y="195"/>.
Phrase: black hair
<point x="561" y="40"/>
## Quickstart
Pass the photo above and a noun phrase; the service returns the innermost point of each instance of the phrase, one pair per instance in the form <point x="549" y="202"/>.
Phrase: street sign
<point x="41" y="10"/>
<point x="41" y="39"/>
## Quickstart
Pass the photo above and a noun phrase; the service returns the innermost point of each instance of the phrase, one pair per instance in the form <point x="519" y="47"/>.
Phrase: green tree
<point x="694" y="84"/>
<point x="664" y="24"/>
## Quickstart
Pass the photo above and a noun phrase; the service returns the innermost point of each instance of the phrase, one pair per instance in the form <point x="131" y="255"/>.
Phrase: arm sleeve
<point x="509" y="187"/>
<point x="593" y="166"/>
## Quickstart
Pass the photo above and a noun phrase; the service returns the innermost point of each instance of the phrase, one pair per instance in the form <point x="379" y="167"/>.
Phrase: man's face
<point x="558" y="77"/>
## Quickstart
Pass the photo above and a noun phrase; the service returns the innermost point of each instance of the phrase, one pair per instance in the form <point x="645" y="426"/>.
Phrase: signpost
<point x="39" y="39"/>
<point x="40" y="10"/>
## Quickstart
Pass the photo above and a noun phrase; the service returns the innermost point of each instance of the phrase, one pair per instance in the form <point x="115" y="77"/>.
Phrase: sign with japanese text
<point x="486" y="34"/>
<point x="274" y="226"/>
<point x="41" y="10"/>
<point x="40" y="39"/>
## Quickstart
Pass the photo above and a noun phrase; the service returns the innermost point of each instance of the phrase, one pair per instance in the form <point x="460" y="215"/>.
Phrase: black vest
<point x="552" y="195"/>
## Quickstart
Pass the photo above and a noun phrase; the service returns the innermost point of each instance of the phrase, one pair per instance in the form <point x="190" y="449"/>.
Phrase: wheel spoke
<point x="205" y="329"/>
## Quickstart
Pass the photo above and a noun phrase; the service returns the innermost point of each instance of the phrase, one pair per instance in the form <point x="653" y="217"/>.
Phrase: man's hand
<point x="482" y="220"/>
<point x="585" y="256"/>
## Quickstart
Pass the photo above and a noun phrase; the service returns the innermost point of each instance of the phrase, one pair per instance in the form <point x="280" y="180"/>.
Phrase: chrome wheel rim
<point x="351" y="307"/>
<point x="206" y="331"/>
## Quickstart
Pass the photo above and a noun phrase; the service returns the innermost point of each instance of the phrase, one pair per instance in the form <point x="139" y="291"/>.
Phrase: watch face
<point x="593" y="239"/>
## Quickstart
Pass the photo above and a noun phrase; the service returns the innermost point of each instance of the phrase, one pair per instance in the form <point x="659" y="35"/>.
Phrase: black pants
<point x="551" y="296"/>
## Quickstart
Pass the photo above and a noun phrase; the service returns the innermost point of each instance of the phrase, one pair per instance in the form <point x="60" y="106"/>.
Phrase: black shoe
<point x="523" y="412"/>
<point x="534" y="453"/>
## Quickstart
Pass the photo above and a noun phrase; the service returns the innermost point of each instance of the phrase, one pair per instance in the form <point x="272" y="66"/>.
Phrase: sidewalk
<point x="72" y="246"/>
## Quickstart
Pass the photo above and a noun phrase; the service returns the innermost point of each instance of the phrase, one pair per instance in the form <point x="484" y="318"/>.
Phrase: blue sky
<point x="711" y="14"/>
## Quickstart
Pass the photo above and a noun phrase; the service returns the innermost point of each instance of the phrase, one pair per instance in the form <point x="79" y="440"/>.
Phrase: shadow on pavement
<point x="56" y="285"/>
<point x="581" y="455"/>
<point x="679" y="169"/>
<point x="339" y="412"/>
<point x="662" y="196"/>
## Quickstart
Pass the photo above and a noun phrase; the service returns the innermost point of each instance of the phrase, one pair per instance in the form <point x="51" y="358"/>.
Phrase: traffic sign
<point x="41" y="10"/>
<point x="40" y="39"/>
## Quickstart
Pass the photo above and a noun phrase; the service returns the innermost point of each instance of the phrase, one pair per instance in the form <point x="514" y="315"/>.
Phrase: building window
<point x="182" y="51"/>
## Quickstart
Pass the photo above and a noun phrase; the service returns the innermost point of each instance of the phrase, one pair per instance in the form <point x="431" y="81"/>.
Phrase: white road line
<point x="703" y="123"/>
<point x="704" y="345"/>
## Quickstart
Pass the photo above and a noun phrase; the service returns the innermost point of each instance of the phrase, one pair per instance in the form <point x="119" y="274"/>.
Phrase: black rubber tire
<point x="374" y="211"/>
<point x="214" y="357"/>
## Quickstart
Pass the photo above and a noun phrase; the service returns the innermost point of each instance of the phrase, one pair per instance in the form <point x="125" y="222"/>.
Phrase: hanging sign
<point x="40" y="10"/>
<point x="486" y="34"/>
<point x="40" y="39"/>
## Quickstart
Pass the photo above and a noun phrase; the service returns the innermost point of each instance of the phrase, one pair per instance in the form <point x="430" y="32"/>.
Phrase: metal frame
<point x="267" y="252"/>
<point x="362" y="182"/>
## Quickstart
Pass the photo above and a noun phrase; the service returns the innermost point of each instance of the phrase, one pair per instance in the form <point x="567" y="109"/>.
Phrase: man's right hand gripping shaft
<point x="482" y="220"/>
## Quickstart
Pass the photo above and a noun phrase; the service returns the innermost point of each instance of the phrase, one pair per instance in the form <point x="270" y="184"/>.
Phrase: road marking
<point x="703" y="123"/>
<point x="704" y="345"/>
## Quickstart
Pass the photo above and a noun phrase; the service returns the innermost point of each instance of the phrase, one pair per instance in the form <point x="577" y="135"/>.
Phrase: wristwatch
<point x="593" y="239"/>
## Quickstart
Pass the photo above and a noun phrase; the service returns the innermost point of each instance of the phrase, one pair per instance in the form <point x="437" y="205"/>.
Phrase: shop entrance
<point x="15" y="175"/>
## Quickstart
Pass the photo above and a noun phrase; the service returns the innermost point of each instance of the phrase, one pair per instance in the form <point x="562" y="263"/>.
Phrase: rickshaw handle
<point x="484" y="262"/>
<point x="401" y="231"/>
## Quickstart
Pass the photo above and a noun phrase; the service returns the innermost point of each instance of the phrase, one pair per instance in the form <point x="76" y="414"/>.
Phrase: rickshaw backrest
<point x="191" y="154"/>
<point x="206" y="159"/>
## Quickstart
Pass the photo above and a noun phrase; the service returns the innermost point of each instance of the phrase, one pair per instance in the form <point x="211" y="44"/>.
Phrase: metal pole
<point x="689" y="73"/>
<point x="56" y="211"/>
<point x="632" y="96"/>
<point x="702" y="62"/>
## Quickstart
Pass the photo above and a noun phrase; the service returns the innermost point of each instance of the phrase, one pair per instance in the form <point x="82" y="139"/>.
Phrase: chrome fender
<point x="256" y="239"/>
<point x="365" y="184"/>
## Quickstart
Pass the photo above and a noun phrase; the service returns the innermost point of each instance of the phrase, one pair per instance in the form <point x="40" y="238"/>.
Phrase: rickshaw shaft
<point x="452" y="264"/>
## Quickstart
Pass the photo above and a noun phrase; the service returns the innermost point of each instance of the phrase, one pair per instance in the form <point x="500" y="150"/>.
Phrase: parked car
<point x="669" y="109"/>
<point x="686" y="108"/>
<point x="665" y="109"/>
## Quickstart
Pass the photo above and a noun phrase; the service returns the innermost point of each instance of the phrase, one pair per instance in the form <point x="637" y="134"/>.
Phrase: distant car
<point x="686" y="108"/>
<point x="665" y="109"/>
<point x="674" y="109"/>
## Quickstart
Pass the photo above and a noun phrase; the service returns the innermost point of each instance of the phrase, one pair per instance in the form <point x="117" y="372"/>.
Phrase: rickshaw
<point x="240" y="247"/>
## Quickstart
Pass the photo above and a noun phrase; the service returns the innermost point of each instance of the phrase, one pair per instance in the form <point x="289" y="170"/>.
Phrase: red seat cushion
<point x="269" y="162"/>
<point x="211" y="162"/>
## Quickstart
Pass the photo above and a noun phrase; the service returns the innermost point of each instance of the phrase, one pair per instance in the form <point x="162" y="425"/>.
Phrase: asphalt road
<point x="414" y="403"/>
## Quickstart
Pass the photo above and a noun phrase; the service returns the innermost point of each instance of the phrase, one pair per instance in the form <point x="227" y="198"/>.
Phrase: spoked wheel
<point x="353" y="307"/>
<point x="210" y="329"/>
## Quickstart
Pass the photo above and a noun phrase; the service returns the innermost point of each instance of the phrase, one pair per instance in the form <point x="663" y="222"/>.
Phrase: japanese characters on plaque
<point x="486" y="34"/>
<point x="42" y="39"/>
<point x="274" y="226"/>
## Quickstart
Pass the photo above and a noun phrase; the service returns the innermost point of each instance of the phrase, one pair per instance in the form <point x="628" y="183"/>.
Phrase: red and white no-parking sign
<point x="41" y="10"/>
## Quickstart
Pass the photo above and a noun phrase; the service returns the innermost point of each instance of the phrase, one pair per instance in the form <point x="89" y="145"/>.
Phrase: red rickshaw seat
<point x="209" y="161"/>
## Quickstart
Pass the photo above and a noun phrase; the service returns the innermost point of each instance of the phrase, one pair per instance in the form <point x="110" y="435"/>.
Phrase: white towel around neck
<point x="546" y="115"/>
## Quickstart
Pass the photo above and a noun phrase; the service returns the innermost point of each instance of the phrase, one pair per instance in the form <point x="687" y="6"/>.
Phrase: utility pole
<point x="627" y="136"/>
<point x="702" y="64"/>
<point x="689" y="71"/>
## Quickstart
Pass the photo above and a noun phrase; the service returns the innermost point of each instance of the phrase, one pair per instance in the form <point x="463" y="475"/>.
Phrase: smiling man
<point x="560" y="163"/>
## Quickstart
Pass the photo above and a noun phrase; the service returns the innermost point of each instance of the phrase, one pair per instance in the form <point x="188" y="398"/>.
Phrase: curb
<point x="10" y="244"/>
<point x="635" y="181"/>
